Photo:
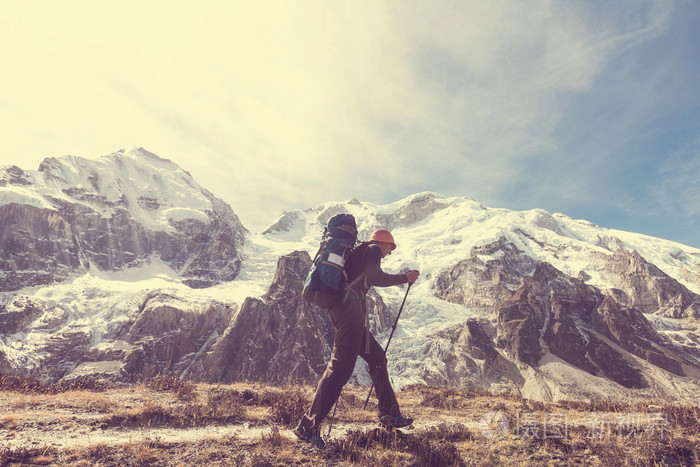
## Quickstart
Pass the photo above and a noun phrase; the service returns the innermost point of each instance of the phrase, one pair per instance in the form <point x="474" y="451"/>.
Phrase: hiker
<point x="353" y="338"/>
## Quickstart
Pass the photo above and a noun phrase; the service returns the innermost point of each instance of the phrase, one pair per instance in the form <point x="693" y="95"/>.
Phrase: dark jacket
<point x="367" y="259"/>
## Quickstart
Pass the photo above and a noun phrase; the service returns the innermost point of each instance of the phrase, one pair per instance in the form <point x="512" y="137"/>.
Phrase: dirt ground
<point x="242" y="424"/>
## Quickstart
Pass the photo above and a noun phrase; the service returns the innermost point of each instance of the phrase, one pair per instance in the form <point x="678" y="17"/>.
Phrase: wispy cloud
<point x="499" y="78"/>
<point x="677" y="191"/>
<point x="275" y="105"/>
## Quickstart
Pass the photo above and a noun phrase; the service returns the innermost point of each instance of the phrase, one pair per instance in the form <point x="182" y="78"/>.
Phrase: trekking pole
<point x="332" y="417"/>
<point x="393" y="328"/>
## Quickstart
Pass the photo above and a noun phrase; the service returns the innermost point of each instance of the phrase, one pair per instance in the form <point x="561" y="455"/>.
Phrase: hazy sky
<point x="590" y="108"/>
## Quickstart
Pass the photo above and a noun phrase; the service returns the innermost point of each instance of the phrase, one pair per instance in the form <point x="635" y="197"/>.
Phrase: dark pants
<point x="350" y="341"/>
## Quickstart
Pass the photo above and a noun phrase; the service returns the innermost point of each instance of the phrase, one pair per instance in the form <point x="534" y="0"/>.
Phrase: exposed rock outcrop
<point x="52" y="230"/>
<point x="644" y="286"/>
<point x="286" y="222"/>
<point x="281" y="338"/>
<point x="630" y="329"/>
<point x="419" y="207"/>
<point x="171" y="336"/>
<point x="470" y="358"/>
<point x="492" y="273"/>
<point x="166" y="335"/>
<point x="561" y="315"/>
<point x="18" y="314"/>
<point x="276" y="340"/>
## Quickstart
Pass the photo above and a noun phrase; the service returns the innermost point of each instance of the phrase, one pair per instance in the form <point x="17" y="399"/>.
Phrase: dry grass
<point x="31" y="385"/>
<point x="185" y="390"/>
<point x="453" y="427"/>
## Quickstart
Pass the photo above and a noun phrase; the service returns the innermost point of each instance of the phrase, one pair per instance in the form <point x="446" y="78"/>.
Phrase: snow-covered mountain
<point x="474" y="262"/>
<point x="115" y="212"/>
<point x="536" y="303"/>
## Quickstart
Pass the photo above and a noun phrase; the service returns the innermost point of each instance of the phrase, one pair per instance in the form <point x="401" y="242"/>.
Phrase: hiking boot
<point x="309" y="436"/>
<point x="397" y="421"/>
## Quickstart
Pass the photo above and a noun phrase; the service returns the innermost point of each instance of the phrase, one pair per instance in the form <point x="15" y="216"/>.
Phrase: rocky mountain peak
<point x="112" y="213"/>
<point x="413" y="209"/>
<point x="289" y="277"/>
<point x="288" y="221"/>
<point x="545" y="273"/>
<point x="645" y="286"/>
<point x="13" y="175"/>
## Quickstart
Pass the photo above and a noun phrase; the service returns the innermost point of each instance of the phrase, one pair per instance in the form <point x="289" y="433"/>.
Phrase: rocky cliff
<point x="636" y="282"/>
<point x="117" y="212"/>
<point x="539" y="310"/>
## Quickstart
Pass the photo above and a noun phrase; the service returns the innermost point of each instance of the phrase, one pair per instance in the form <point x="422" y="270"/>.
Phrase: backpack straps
<point x="349" y="287"/>
<point x="320" y="251"/>
<point x="363" y="276"/>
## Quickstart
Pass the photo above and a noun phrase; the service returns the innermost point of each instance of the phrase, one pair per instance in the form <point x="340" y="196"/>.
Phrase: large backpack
<point x="327" y="279"/>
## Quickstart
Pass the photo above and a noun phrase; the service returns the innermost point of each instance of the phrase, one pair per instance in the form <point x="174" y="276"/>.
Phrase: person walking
<point x="353" y="339"/>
